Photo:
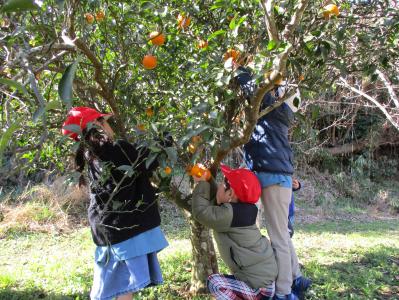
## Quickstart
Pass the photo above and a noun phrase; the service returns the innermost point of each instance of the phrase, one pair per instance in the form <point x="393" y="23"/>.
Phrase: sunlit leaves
<point x="65" y="87"/>
<point x="21" y="5"/>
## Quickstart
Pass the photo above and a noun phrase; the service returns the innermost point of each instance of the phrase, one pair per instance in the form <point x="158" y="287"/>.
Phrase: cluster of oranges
<point x="157" y="39"/>
<point x="99" y="16"/>
<point x="199" y="170"/>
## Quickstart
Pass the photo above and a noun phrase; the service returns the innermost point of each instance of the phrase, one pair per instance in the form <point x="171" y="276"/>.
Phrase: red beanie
<point x="244" y="183"/>
<point x="80" y="116"/>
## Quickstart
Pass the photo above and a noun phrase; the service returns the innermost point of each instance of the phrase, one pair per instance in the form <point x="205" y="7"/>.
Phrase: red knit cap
<point x="244" y="183"/>
<point x="80" y="116"/>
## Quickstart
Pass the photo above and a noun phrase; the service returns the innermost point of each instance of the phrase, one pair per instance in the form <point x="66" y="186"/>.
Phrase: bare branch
<point x="379" y="105"/>
<point x="389" y="87"/>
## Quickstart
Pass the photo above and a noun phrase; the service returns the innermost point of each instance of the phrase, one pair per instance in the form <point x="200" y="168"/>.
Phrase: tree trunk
<point x="204" y="260"/>
<point x="361" y="145"/>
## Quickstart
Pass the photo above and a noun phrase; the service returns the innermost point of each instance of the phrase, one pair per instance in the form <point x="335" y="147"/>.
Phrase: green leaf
<point x="14" y="84"/>
<point x="7" y="136"/>
<point x="233" y="24"/>
<point x="150" y="160"/>
<point x="147" y="5"/>
<point x="172" y="154"/>
<point x="41" y="110"/>
<point x="215" y="34"/>
<point x="315" y="112"/>
<point x="192" y="133"/>
<point x="38" y="113"/>
<point x="271" y="45"/>
<point x="20" y="5"/>
<point x="65" y="85"/>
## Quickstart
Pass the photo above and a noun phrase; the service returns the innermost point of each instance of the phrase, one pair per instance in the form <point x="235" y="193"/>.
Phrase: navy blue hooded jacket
<point x="268" y="150"/>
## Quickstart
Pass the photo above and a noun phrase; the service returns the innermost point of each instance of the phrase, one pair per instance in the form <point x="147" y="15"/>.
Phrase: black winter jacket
<point x="268" y="149"/>
<point x="122" y="199"/>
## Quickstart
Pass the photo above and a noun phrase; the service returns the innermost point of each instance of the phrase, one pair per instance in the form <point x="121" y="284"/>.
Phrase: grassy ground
<point x="345" y="259"/>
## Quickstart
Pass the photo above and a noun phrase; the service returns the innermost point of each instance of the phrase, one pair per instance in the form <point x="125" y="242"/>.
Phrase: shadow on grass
<point x="366" y="275"/>
<point x="372" y="227"/>
<point x="35" y="294"/>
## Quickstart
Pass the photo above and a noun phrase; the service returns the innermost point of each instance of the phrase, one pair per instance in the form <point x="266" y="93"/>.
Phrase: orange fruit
<point x="301" y="77"/>
<point x="231" y="53"/>
<point x="167" y="170"/>
<point x="198" y="171"/>
<point x="141" y="127"/>
<point x="330" y="9"/>
<point x="149" y="62"/>
<point x="196" y="139"/>
<point x="192" y="148"/>
<point x="202" y="44"/>
<point x="149" y="112"/>
<point x="157" y="38"/>
<point x="182" y="21"/>
<point x="100" y="16"/>
<point x="89" y="18"/>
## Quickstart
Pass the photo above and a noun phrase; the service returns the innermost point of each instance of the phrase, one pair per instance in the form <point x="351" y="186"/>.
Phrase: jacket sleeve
<point x="217" y="217"/>
<point x="136" y="156"/>
<point x="299" y="187"/>
<point x="248" y="87"/>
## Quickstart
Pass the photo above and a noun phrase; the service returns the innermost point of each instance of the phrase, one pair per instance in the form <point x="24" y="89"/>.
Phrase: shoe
<point x="291" y="296"/>
<point x="300" y="286"/>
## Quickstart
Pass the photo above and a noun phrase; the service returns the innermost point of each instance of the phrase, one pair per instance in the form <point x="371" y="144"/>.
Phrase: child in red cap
<point x="230" y="210"/>
<point x="123" y="211"/>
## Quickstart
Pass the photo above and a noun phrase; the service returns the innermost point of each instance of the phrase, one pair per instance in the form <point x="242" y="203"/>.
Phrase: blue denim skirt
<point x="118" y="277"/>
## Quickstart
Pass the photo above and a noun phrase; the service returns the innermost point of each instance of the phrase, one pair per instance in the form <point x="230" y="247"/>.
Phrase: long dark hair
<point x="90" y="147"/>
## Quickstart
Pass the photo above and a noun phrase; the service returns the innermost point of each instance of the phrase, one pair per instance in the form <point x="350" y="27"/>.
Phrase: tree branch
<point x="389" y="87"/>
<point x="268" y="7"/>
<point x="379" y="105"/>
<point x="295" y="19"/>
<point x="98" y="77"/>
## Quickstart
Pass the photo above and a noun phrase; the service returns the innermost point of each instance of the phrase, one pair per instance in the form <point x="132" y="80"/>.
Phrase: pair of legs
<point x="227" y="287"/>
<point x="276" y="201"/>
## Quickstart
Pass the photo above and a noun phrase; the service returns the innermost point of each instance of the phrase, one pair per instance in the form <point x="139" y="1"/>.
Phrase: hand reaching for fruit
<point x="200" y="173"/>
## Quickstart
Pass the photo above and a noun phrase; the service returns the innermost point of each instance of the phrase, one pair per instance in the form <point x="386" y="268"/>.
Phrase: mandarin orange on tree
<point x="89" y="18"/>
<point x="183" y="22"/>
<point x="235" y="54"/>
<point x="157" y="38"/>
<point x="100" y="16"/>
<point x="330" y="9"/>
<point x="149" y="62"/>
<point x="167" y="170"/>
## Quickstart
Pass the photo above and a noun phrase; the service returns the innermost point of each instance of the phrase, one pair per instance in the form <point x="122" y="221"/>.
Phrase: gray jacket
<point x="242" y="247"/>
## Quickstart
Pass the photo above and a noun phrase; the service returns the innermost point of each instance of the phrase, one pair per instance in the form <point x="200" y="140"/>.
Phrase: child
<point x="231" y="212"/>
<point x="268" y="153"/>
<point x="123" y="212"/>
<point x="296" y="186"/>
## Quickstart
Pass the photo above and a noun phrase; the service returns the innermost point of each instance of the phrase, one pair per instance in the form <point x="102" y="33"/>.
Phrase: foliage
<point x="189" y="92"/>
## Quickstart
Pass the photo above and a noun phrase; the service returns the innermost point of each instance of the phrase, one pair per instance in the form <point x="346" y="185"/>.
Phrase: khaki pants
<point x="276" y="200"/>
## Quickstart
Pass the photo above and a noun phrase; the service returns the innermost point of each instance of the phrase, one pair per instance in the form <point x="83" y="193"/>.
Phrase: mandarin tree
<point x="56" y="55"/>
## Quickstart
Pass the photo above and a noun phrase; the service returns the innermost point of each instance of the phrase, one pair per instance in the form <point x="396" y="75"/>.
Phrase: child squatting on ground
<point x="231" y="212"/>
<point x="123" y="212"/>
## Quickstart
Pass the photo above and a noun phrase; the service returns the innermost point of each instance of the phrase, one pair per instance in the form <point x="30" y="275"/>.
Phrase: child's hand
<point x="205" y="176"/>
<point x="295" y="184"/>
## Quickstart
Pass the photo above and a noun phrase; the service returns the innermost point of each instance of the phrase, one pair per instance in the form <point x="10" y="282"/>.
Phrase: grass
<point x="345" y="259"/>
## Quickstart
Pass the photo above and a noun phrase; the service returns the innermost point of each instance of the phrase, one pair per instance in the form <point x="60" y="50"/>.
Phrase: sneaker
<point x="291" y="296"/>
<point x="300" y="286"/>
